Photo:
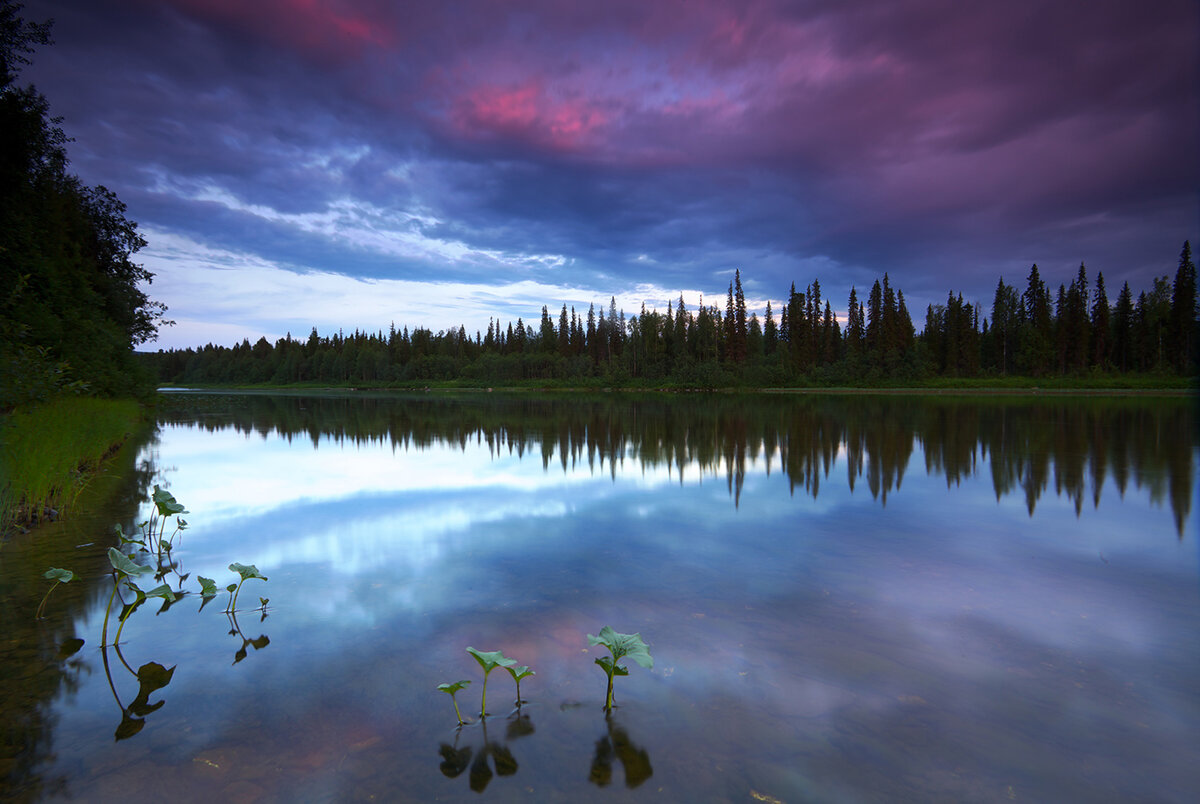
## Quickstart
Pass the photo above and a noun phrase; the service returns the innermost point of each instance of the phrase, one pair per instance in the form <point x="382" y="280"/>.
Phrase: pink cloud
<point x="531" y="113"/>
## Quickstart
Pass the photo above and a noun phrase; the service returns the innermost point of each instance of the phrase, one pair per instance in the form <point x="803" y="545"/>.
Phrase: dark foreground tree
<point x="71" y="301"/>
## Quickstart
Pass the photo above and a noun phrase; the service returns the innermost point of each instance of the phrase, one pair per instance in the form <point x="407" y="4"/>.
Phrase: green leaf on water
<point x="450" y="689"/>
<point x="231" y="588"/>
<point x="622" y="645"/>
<point x="606" y="664"/>
<point x="247" y="571"/>
<point x="490" y="659"/>
<point x="521" y="672"/>
<point x="162" y="591"/>
<point x="124" y="565"/>
<point x="208" y="587"/>
<point x="166" y="503"/>
<point x="59" y="575"/>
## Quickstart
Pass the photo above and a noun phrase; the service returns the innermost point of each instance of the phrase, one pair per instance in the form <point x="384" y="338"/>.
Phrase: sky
<point x="347" y="165"/>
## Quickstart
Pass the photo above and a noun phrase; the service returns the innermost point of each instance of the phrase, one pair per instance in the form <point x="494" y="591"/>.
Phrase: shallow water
<point x="847" y="599"/>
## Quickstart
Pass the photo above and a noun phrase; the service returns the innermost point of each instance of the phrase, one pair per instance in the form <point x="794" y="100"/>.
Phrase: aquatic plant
<point x="620" y="646"/>
<point x="246" y="572"/>
<point x="517" y="674"/>
<point x="489" y="661"/>
<point x="125" y="570"/>
<point x="450" y="689"/>
<point x="58" y="576"/>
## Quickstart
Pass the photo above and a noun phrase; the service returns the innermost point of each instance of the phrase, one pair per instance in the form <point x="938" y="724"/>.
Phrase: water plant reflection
<point x="151" y="677"/>
<point x="635" y="760"/>
<point x="455" y="760"/>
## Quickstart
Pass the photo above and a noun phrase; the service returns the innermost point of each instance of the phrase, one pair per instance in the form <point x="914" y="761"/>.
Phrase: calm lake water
<point x="847" y="599"/>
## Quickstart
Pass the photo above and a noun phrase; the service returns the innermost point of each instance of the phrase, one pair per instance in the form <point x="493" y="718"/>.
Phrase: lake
<point x="847" y="598"/>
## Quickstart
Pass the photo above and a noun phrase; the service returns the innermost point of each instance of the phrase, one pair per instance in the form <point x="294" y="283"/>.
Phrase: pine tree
<point x="1100" y="336"/>
<point x="1185" y="337"/>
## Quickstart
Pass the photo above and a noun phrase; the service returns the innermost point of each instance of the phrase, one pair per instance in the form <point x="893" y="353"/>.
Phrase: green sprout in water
<point x="246" y="571"/>
<point x="519" y="673"/>
<point x="620" y="646"/>
<point x="489" y="661"/>
<point x="450" y="689"/>
<point x="58" y="576"/>
<point x="125" y="569"/>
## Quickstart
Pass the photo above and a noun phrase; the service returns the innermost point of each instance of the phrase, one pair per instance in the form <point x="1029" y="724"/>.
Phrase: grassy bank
<point x="48" y="452"/>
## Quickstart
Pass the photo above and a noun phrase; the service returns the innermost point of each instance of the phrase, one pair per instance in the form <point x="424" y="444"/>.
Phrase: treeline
<point x="71" y="304"/>
<point x="1028" y="334"/>
<point x="1029" y="446"/>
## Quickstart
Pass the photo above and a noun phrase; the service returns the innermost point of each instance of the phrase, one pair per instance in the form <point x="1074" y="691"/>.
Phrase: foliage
<point x="710" y="348"/>
<point x="489" y="661"/>
<point x="48" y="451"/>
<point x="452" y="688"/>
<point x="58" y="576"/>
<point x="620" y="646"/>
<point x="245" y="572"/>
<point x="73" y="306"/>
<point x="517" y="674"/>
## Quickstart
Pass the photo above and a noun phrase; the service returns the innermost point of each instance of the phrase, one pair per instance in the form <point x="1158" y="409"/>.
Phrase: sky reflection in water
<point x="948" y="644"/>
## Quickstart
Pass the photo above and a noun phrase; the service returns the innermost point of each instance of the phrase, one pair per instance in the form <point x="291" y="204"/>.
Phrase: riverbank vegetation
<point x="1028" y="338"/>
<point x="72" y="307"/>
<point x="48" y="452"/>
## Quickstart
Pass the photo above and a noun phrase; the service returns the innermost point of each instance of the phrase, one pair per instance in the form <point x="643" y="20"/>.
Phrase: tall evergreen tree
<point x="1185" y="337"/>
<point x="1100" y="325"/>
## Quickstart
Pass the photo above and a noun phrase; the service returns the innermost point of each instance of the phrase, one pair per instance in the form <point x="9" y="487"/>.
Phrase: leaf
<point x="231" y="588"/>
<point x="128" y="539"/>
<point x="519" y="673"/>
<point x="59" y="575"/>
<point x="264" y="601"/>
<point x="261" y="642"/>
<point x="490" y="659"/>
<point x="182" y="523"/>
<point x="166" y="503"/>
<point x="162" y="591"/>
<point x="450" y="689"/>
<point x="208" y="587"/>
<point x="124" y="565"/>
<point x="606" y="663"/>
<point x="247" y="571"/>
<point x="623" y="645"/>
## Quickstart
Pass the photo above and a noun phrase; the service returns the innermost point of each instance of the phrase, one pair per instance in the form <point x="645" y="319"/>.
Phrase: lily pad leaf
<point x="521" y="672"/>
<point x="59" y="575"/>
<point x="622" y="645"/>
<point x="124" y="565"/>
<point x="127" y="538"/>
<point x="247" y="571"/>
<point x="490" y="659"/>
<point x="208" y="587"/>
<point x="166" y="503"/>
<point x="162" y="591"/>
<point x="450" y="689"/>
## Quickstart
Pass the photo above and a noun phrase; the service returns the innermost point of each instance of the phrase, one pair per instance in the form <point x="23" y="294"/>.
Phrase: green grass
<point x="48" y="452"/>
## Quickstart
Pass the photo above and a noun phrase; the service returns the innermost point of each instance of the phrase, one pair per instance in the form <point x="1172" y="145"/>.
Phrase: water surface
<point x="847" y="599"/>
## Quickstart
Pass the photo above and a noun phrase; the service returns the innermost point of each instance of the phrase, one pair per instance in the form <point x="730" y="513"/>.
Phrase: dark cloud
<point x="667" y="143"/>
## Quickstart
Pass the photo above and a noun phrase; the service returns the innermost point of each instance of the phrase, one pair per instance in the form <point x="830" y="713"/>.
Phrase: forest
<point x="1028" y="332"/>
<point x="72" y="303"/>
